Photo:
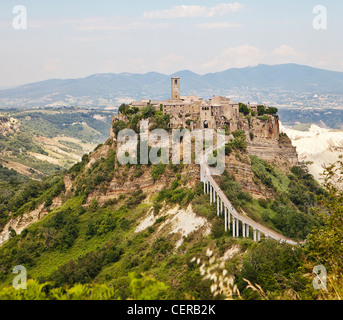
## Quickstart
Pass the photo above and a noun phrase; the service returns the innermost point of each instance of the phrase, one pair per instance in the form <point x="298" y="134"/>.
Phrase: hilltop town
<point x="258" y="124"/>
<point x="197" y="113"/>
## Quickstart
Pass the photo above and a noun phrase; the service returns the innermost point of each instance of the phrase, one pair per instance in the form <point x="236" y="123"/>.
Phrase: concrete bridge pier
<point x="247" y="231"/>
<point x="257" y="235"/>
<point x="225" y="219"/>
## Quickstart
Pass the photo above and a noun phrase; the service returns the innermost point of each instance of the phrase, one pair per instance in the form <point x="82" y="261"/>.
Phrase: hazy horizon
<point x="72" y="39"/>
<point x="144" y="73"/>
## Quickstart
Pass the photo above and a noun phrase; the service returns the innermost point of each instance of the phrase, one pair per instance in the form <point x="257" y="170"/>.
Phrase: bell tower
<point x="175" y="88"/>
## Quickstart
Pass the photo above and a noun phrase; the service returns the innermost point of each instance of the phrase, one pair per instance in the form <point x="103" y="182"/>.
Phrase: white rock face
<point x="318" y="145"/>
<point x="181" y="221"/>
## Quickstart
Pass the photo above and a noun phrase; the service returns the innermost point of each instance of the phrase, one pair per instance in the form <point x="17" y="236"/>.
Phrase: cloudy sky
<point x="76" y="38"/>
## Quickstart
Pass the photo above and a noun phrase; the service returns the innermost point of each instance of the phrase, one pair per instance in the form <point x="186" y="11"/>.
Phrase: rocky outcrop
<point x="126" y="181"/>
<point x="266" y="142"/>
<point x="279" y="153"/>
<point x="19" y="223"/>
<point x="239" y="166"/>
<point x="179" y="223"/>
<point x="263" y="138"/>
<point x="99" y="153"/>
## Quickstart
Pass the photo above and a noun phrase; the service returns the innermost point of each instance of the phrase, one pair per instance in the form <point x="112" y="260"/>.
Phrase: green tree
<point x="324" y="245"/>
<point x="123" y="109"/>
<point x="143" y="287"/>
<point x="243" y="108"/>
<point x="272" y="110"/>
<point x="148" y="111"/>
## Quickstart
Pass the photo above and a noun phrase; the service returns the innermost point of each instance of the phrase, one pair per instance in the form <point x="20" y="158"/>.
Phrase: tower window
<point x="175" y="81"/>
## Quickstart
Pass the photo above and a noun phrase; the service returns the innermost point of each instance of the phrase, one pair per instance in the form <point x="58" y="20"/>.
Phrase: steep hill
<point x="102" y="221"/>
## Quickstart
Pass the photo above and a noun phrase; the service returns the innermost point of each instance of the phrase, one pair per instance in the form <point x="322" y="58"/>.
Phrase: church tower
<point x="175" y="86"/>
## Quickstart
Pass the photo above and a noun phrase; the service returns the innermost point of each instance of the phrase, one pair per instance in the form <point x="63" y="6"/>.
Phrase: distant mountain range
<point x="109" y="89"/>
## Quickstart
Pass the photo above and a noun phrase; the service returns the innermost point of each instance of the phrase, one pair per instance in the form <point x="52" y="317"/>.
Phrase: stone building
<point x="194" y="112"/>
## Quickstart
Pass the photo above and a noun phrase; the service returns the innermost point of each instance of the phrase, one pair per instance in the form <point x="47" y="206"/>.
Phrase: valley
<point x="38" y="142"/>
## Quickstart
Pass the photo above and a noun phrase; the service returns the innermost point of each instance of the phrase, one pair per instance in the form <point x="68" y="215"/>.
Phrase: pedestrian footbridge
<point x="239" y="224"/>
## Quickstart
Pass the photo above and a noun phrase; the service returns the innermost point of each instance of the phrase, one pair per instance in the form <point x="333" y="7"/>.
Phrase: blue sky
<point x="71" y="39"/>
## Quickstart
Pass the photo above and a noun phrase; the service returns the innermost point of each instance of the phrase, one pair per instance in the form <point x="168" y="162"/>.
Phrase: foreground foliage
<point x="90" y="252"/>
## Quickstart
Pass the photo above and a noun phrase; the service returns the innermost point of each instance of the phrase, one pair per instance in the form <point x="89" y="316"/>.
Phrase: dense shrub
<point x="61" y="230"/>
<point x="87" y="267"/>
<point x="293" y="223"/>
<point x="239" y="142"/>
<point x="271" y="265"/>
<point x="233" y="190"/>
<point x="157" y="171"/>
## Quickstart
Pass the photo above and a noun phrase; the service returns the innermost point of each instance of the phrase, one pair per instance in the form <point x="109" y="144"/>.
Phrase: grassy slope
<point x="140" y="252"/>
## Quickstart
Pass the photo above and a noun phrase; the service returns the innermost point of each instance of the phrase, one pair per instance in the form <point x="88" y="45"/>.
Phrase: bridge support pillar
<point x="234" y="227"/>
<point x="211" y="194"/>
<point x="258" y="236"/>
<point x="243" y="229"/>
<point x="225" y="219"/>
<point x="237" y="227"/>
<point x="218" y="205"/>
<point x="255" y="239"/>
<point x="229" y="218"/>
<point x="247" y="231"/>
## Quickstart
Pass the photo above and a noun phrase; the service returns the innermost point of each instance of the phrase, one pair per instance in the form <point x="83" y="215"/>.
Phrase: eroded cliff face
<point x="264" y="141"/>
<point x="126" y="181"/>
<point x="19" y="223"/>
<point x="239" y="167"/>
<point x="263" y="138"/>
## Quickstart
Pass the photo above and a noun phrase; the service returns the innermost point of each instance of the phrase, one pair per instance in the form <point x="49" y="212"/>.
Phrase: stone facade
<point x="194" y="112"/>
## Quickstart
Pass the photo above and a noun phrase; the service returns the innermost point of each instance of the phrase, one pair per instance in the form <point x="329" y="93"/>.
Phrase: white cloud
<point x="287" y="54"/>
<point x="194" y="11"/>
<point x="285" y="50"/>
<point x="236" y="57"/>
<point x="218" y="25"/>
